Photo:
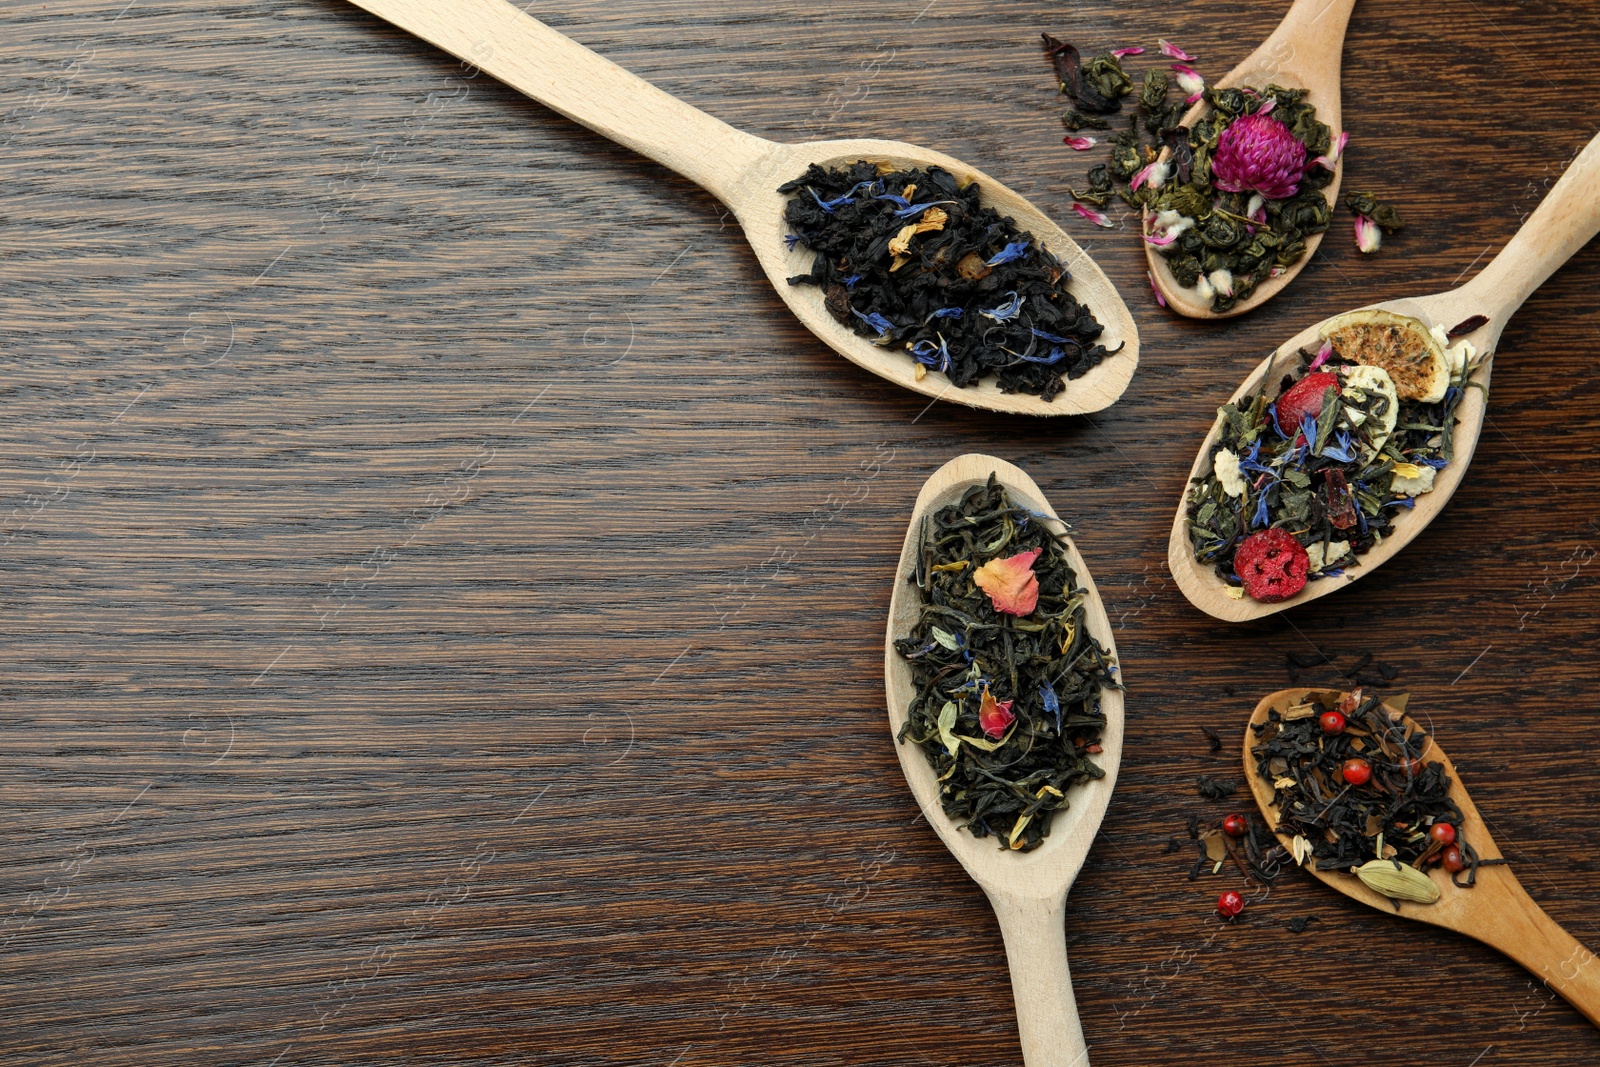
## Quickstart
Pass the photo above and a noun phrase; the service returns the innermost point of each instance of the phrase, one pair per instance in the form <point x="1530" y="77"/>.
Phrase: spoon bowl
<point x="1497" y="911"/>
<point x="1562" y="224"/>
<point x="744" y="171"/>
<point x="1028" y="890"/>
<point x="1304" y="52"/>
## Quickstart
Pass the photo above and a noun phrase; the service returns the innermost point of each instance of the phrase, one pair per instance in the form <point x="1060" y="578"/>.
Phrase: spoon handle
<point x="566" y="77"/>
<point x="1036" y="951"/>
<point x="1565" y="221"/>
<point x="1518" y="927"/>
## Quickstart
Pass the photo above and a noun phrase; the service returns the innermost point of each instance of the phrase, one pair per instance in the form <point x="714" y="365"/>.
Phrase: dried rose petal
<point x="1080" y="144"/>
<point x="1189" y="81"/>
<point x="1012" y="586"/>
<point x="1172" y="51"/>
<point x="1120" y="52"/>
<point x="1322" y="355"/>
<point x="1154" y="173"/>
<point x="1327" y="162"/>
<point x="1096" y="217"/>
<point x="994" y="715"/>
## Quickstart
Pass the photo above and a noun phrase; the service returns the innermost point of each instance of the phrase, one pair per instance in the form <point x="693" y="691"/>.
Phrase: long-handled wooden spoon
<point x="1563" y="223"/>
<point x="1028" y="890"/>
<point x="1302" y="53"/>
<point x="1497" y="911"/>
<point x="744" y="171"/>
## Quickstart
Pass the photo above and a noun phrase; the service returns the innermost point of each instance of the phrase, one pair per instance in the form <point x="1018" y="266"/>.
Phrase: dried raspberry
<point x="1273" y="565"/>
<point x="1303" y="398"/>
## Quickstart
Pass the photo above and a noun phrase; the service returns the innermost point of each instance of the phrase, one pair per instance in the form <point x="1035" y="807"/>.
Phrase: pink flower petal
<point x="1322" y="356"/>
<point x="1120" y="52"/>
<point x="1096" y="217"/>
<point x="1327" y="162"/>
<point x="1156" y="289"/>
<point x="1012" y="586"/>
<point x="1266" y="109"/>
<point x="1172" y="51"/>
<point x="1079" y="144"/>
<point x="1160" y="240"/>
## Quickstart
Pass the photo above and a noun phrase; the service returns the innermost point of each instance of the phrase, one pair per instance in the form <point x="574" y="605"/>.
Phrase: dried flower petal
<point x="1154" y="174"/>
<point x="1172" y="51"/>
<point x="1079" y="144"/>
<point x="1322" y="355"/>
<point x="1189" y="81"/>
<point x="1161" y="300"/>
<point x="1012" y="586"/>
<point x="1120" y="52"/>
<point x="1327" y="162"/>
<point x="994" y="715"/>
<point x="1097" y="217"/>
<point x="1369" y="238"/>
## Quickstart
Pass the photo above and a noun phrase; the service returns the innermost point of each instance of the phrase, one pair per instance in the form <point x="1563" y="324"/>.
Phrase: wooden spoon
<point x="744" y="172"/>
<point x="1302" y="53"/>
<point x="1563" y="223"/>
<point x="1498" y="911"/>
<point x="1028" y="890"/>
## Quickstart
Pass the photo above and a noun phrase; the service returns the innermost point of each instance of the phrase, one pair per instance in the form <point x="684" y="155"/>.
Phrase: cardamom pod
<point x="1398" y="881"/>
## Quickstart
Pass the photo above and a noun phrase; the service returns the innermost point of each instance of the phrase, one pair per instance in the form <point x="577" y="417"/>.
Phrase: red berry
<point x="1272" y="565"/>
<point x="1443" y="833"/>
<point x="1356" y="771"/>
<point x="1303" y="398"/>
<point x="1413" y="765"/>
<point x="1332" y="722"/>
<point x="1453" y="861"/>
<point x="1230" y="904"/>
<point x="1235" y="826"/>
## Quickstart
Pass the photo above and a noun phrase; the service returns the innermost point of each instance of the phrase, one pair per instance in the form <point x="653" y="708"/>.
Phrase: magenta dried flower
<point x="1259" y="154"/>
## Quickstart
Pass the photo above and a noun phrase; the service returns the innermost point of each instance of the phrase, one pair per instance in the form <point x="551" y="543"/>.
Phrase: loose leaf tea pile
<point x="1302" y="485"/>
<point x="1394" y="806"/>
<point x="1007" y="676"/>
<point x="910" y="259"/>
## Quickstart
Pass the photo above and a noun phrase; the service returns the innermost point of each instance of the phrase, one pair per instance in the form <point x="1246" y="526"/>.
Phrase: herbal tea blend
<point x="1239" y="193"/>
<point x="1007" y="676"/>
<point x="1303" y="484"/>
<point x="910" y="259"/>
<point x="1355" y="791"/>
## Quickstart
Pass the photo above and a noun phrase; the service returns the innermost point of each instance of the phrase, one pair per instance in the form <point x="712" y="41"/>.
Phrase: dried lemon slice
<point x="1401" y="345"/>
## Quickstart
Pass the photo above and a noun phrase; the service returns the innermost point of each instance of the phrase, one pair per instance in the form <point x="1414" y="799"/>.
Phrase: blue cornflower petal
<point x="1006" y="311"/>
<point x="900" y="200"/>
<point x="946" y="313"/>
<point x="1014" y="250"/>
<point x="916" y="209"/>
<point x="829" y="205"/>
<point x="1055" y="356"/>
<point x="1333" y="573"/>
<point x="1045" y="336"/>
<point x="1436" y="464"/>
<point x="1260" y="518"/>
<point x="924" y="352"/>
<point x="1272" y="418"/>
<point x="850" y="282"/>
<point x="1052" y="703"/>
<point x="875" y="320"/>
<point x="791" y="239"/>
<point x="1403" y="502"/>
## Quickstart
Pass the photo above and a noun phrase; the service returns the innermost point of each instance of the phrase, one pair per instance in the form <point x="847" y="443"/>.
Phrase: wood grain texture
<point x="477" y="663"/>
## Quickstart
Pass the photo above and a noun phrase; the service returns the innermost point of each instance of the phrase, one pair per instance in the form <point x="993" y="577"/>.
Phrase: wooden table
<point x="444" y="588"/>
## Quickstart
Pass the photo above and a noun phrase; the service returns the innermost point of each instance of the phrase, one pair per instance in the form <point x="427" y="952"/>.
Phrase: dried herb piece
<point x="1074" y="120"/>
<point x="1002" y="775"/>
<point x="1098" y="87"/>
<point x="1466" y="326"/>
<point x="1216" y="788"/>
<point x="1213" y="738"/>
<point x="1298" y="924"/>
<point x="1369" y="206"/>
<point x="912" y="260"/>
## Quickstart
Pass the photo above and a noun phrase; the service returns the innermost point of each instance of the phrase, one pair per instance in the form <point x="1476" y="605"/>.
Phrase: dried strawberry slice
<point x="1272" y="564"/>
<point x="1303" y="398"/>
